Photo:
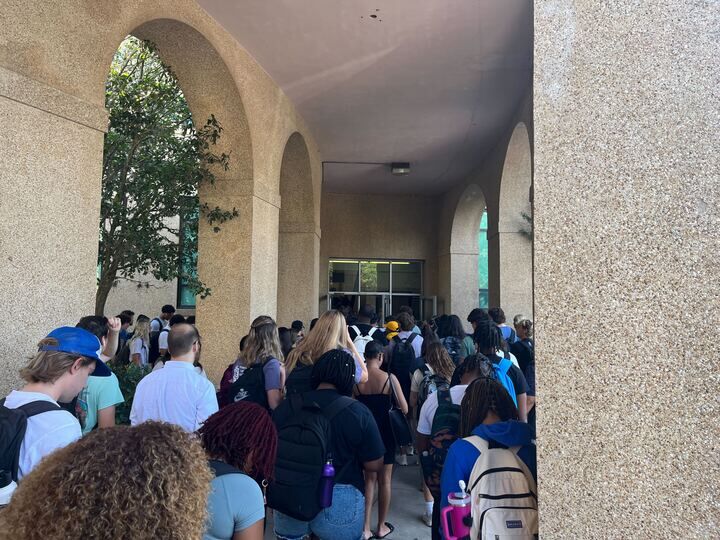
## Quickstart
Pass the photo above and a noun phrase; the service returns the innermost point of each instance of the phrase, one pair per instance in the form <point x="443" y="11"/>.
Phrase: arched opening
<point x="465" y="254"/>
<point x="223" y="258"/>
<point x="510" y="237"/>
<point x="298" y="239"/>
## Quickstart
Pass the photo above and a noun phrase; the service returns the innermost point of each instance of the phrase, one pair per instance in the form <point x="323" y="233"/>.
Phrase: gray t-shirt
<point x="234" y="504"/>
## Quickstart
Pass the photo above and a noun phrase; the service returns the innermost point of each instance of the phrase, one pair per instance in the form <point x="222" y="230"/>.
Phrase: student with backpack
<point x="487" y="340"/>
<point x="438" y="427"/>
<point x="329" y="333"/>
<point x="495" y="458"/>
<point x="263" y="379"/>
<point x="32" y="424"/>
<point x="498" y="317"/>
<point x="326" y="440"/>
<point x="241" y="444"/>
<point x="402" y="354"/>
<point x="138" y="349"/>
<point x="456" y="342"/>
<point x="364" y="331"/>
<point x="434" y="375"/>
<point x="156" y="326"/>
<point x="163" y="337"/>
<point x="379" y="394"/>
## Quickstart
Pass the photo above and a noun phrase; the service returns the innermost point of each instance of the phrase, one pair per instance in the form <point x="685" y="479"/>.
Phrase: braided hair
<point x="242" y="435"/>
<point x="335" y="367"/>
<point x="485" y="395"/>
<point x="487" y="337"/>
<point x="475" y="363"/>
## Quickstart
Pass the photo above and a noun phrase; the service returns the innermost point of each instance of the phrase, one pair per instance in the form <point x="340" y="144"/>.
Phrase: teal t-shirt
<point x="100" y="393"/>
<point x="235" y="503"/>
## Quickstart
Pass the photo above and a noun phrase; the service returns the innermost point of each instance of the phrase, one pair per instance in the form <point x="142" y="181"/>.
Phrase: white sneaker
<point x="427" y="519"/>
<point x="401" y="460"/>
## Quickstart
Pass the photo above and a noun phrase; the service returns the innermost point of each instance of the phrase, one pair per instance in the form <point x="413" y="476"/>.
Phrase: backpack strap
<point x="336" y="406"/>
<point x="372" y="331"/>
<point x="36" y="407"/>
<point x="483" y="446"/>
<point x="443" y="395"/>
<point x="504" y="366"/>
<point x="410" y="338"/>
<point x="357" y="330"/>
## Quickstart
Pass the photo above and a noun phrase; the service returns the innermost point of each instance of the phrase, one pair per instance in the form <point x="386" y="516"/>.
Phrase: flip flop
<point x="389" y="526"/>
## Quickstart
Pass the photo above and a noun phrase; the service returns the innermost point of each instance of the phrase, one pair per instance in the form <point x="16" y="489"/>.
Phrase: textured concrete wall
<point x="54" y="59"/>
<point x="377" y="226"/>
<point x="627" y="231"/>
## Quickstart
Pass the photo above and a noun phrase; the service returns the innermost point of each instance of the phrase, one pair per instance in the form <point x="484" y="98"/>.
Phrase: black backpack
<point x="402" y="362"/>
<point x="154" y="351"/>
<point x="300" y="380"/>
<point x="122" y="358"/>
<point x="444" y="432"/>
<point x="13" y="423"/>
<point x="250" y="386"/>
<point x="304" y="446"/>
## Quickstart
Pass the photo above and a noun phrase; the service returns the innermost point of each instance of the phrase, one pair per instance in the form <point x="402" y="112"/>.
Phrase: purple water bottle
<point x="327" y="482"/>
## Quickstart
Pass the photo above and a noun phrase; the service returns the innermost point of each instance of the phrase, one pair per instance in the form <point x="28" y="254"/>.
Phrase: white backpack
<point x="503" y="495"/>
<point x="361" y="341"/>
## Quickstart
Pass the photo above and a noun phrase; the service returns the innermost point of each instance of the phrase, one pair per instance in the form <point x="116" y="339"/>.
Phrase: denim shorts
<point x="344" y="520"/>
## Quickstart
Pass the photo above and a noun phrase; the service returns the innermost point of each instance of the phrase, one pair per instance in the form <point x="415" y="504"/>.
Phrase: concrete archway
<point x="511" y="281"/>
<point x="463" y="267"/>
<point x="298" y="239"/>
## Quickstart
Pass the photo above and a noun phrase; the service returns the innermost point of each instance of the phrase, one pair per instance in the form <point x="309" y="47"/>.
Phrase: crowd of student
<point x="305" y="423"/>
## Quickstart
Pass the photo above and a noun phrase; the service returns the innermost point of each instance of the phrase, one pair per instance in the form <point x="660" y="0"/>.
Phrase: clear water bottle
<point x="327" y="482"/>
<point x="7" y="487"/>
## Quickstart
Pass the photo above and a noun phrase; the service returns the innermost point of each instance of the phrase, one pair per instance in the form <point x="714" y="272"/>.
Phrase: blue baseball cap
<point x="78" y="341"/>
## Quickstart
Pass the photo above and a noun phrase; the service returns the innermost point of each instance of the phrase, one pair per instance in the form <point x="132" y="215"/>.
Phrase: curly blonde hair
<point x="148" y="481"/>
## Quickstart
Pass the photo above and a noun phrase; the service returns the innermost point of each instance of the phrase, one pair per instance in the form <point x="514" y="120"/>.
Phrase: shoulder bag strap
<point x="336" y="406"/>
<point x="38" y="407"/>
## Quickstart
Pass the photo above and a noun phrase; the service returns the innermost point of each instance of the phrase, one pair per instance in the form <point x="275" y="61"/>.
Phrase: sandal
<point x="389" y="526"/>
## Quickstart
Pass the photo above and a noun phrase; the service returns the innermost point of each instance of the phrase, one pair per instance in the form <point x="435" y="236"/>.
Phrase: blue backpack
<point x="501" y="374"/>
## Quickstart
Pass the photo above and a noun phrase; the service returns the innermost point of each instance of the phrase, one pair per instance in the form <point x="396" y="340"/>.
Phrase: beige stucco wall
<point x="378" y="226"/>
<point x="627" y="238"/>
<point x="54" y="59"/>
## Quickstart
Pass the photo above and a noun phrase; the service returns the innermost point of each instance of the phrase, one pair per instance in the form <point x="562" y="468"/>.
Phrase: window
<point x="188" y="260"/>
<point x="384" y="284"/>
<point x="483" y="280"/>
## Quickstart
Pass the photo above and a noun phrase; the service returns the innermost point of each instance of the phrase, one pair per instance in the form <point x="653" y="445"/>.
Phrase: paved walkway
<point x="406" y="507"/>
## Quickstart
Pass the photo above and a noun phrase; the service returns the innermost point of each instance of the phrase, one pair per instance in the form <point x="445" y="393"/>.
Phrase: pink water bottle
<point x="455" y="518"/>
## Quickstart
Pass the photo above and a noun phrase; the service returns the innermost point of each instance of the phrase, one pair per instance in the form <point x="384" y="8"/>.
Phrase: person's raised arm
<point x="111" y="345"/>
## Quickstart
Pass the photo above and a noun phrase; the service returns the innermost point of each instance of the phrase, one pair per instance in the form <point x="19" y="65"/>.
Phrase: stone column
<point x="50" y="171"/>
<point x="627" y="230"/>
<point x="298" y="270"/>
<point x="510" y="272"/>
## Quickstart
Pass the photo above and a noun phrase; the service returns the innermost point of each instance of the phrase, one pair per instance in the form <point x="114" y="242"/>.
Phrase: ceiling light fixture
<point x="400" y="169"/>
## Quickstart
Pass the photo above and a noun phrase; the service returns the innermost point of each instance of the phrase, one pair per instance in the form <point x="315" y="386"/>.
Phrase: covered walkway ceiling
<point x="430" y="82"/>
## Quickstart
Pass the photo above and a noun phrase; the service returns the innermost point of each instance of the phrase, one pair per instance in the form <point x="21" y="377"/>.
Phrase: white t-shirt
<point x="427" y="413"/>
<point x="137" y="346"/>
<point x="162" y="340"/>
<point x="46" y="432"/>
<point x="175" y="394"/>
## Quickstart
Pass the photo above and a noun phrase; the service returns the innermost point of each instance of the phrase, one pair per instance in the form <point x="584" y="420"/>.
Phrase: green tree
<point x="154" y="161"/>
